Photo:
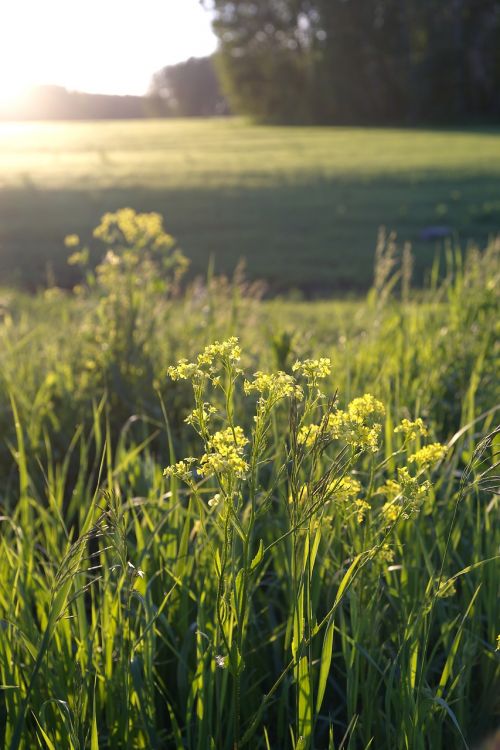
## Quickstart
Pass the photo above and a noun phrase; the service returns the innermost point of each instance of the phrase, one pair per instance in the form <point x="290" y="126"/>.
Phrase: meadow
<point x="302" y="206"/>
<point x="229" y="522"/>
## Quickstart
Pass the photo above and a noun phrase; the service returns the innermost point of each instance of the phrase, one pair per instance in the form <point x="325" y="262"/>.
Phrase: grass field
<point x="301" y="205"/>
<point x="319" y="573"/>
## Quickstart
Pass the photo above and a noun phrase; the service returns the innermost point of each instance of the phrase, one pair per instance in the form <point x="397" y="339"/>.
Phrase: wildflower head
<point x="413" y="492"/>
<point x="361" y="508"/>
<point x="181" y="470"/>
<point x="313" y="369"/>
<point x="344" y="488"/>
<point x="201" y="415"/>
<point x="428" y="455"/>
<point x="225" y="455"/>
<point x="390" y="489"/>
<point x="391" y="511"/>
<point x="184" y="370"/>
<point x="229" y="352"/>
<point x="127" y="228"/>
<point x="354" y="431"/>
<point x="410" y="429"/>
<point x="215" y="500"/>
<point x="274" y="386"/>
<point x="71" y="240"/>
<point x="357" y="425"/>
<point x="308" y="434"/>
<point x="365" y="409"/>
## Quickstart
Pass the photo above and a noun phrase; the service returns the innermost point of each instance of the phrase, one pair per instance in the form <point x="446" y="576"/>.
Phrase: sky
<point x="99" y="46"/>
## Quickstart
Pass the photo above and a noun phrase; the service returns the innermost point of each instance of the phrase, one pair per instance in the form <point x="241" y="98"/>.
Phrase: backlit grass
<point x="317" y="568"/>
<point x="301" y="205"/>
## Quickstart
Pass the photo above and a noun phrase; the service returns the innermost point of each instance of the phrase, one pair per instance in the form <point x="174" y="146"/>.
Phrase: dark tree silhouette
<point x="352" y="61"/>
<point x="190" y="89"/>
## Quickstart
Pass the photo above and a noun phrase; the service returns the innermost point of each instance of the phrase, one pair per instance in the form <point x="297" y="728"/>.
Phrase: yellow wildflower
<point x="275" y="385"/>
<point x="184" y="370"/>
<point x="365" y="408"/>
<point x="390" y="489"/>
<point x="72" y="240"/>
<point x="313" y="369"/>
<point x="200" y="415"/>
<point x="391" y="511"/>
<point x="182" y="470"/>
<point x="226" y="454"/>
<point x="385" y="553"/>
<point x="137" y="230"/>
<point x="225" y="441"/>
<point x="308" y="434"/>
<point x="228" y="349"/>
<point x="362" y="507"/>
<point x="345" y="488"/>
<point x="428" y="455"/>
<point x="351" y="427"/>
<point x="411" y="429"/>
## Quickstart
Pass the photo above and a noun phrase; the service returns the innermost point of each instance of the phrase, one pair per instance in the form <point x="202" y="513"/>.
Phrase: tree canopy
<point x="349" y="61"/>
<point x="190" y="89"/>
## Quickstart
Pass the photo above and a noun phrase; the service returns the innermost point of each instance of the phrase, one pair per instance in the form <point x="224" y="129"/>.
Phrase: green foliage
<point x="380" y="61"/>
<point x="133" y="287"/>
<point x="318" y="572"/>
<point x="189" y="89"/>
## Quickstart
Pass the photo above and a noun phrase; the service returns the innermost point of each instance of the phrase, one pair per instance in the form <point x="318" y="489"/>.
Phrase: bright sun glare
<point x="105" y="46"/>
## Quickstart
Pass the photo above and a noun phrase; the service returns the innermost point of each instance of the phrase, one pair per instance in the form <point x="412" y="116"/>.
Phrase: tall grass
<point x="313" y="587"/>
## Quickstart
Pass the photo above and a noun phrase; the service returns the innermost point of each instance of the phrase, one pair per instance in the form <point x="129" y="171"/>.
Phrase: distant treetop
<point x="190" y="89"/>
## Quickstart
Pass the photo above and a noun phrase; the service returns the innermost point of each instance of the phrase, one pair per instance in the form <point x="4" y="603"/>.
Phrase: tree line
<point x="321" y="61"/>
<point x="360" y="61"/>
<point x="187" y="89"/>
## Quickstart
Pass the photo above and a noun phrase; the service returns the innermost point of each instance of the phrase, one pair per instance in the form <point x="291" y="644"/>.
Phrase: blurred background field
<point x="301" y="205"/>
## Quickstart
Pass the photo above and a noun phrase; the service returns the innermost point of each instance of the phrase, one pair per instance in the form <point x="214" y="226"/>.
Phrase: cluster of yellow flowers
<point x="313" y="369"/>
<point x="308" y="434"/>
<point x="347" y="488"/>
<point x="200" y="415"/>
<point x="391" y="511"/>
<point x="357" y="426"/>
<point x="365" y="408"/>
<point x="71" y="240"/>
<point x="274" y="385"/>
<point x="184" y="370"/>
<point x="228" y="351"/>
<point x="182" y="470"/>
<point x="390" y="489"/>
<point x="411" y="430"/>
<point x="137" y="230"/>
<point x="406" y="495"/>
<point x="428" y="455"/>
<point x="226" y="454"/>
<point x="345" y="491"/>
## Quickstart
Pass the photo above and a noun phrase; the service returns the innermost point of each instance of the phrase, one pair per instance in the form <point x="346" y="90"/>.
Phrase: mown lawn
<point x="301" y="205"/>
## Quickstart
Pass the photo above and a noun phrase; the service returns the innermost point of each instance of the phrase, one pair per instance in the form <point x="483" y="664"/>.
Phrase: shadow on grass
<point x="317" y="234"/>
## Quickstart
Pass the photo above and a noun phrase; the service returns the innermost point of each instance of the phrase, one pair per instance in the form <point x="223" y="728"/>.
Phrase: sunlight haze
<point x="110" y="47"/>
